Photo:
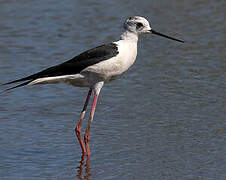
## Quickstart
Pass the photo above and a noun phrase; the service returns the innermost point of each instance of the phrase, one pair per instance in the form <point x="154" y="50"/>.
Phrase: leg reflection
<point x="79" y="171"/>
<point x="87" y="174"/>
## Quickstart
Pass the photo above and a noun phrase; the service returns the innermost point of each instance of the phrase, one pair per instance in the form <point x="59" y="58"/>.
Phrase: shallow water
<point x="163" y="119"/>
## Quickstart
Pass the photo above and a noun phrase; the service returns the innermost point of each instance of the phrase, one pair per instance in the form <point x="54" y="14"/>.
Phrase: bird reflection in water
<point x="80" y="168"/>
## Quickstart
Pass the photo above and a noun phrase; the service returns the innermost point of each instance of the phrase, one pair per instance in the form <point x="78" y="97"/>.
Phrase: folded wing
<point x="74" y="65"/>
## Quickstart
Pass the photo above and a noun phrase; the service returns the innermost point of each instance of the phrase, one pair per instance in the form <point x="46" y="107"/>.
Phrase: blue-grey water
<point x="164" y="119"/>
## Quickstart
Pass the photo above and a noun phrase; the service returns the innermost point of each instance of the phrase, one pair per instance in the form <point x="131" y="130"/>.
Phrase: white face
<point x="137" y="24"/>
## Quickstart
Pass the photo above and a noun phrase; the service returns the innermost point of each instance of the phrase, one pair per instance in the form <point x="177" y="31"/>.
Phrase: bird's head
<point x="139" y="25"/>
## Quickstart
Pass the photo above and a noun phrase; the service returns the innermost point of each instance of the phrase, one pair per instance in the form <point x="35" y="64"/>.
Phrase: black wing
<point x="74" y="65"/>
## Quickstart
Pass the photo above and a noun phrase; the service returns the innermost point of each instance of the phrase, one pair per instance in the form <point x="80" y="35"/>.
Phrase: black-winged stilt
<point x="94" y="67"/>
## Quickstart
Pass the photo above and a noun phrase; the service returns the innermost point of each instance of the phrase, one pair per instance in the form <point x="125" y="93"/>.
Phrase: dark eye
<point x="139" y="25"/>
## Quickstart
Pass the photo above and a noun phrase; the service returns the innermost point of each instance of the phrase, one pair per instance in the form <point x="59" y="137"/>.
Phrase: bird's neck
<point x="129" y="36"/>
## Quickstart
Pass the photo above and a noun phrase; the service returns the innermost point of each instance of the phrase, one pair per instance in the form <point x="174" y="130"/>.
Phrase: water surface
<point x="163" y="119"/>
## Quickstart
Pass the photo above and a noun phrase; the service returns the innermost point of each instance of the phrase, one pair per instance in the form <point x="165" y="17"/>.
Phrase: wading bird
<point x="94" y="67"/>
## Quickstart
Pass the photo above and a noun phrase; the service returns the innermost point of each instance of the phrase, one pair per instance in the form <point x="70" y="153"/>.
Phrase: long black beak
<point x="160" y="34"/>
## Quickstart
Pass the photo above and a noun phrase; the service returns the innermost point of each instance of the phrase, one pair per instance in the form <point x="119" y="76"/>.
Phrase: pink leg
<point x="87" y="134"/>
<point x="78" y="128"/>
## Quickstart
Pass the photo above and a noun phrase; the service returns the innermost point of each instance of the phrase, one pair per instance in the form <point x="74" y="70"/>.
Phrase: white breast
<point x="127" y="53"/>
<point x="109" y="69"/>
